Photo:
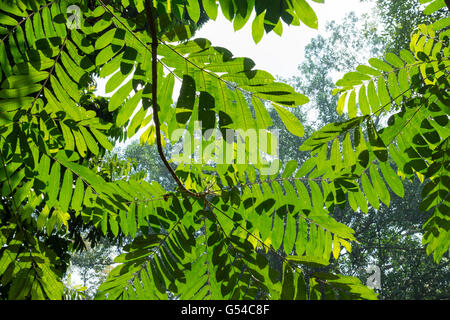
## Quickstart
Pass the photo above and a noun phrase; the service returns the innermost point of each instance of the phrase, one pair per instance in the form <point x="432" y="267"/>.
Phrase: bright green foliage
<point x="432" y="5"/>
<point x="212" y="245"/>
<point x="270" y="15"/>
<point x="412" y="89"/>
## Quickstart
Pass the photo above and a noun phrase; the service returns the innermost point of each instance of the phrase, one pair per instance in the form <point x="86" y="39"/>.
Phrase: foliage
<point x="416" y="136"/>
<point x="390" y="237"/>
<point x="207" y="238"/>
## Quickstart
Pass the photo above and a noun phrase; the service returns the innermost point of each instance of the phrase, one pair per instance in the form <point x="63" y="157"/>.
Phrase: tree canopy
<point x="211" y="232"/>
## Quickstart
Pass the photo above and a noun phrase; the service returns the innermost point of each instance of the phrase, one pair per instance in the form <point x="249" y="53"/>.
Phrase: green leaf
<point x="373" y="98"/>
<point x="106" y="54"/>
<point x="403" y="82"/>
<point x="434" y="6"/>
<point x="302" y="237"/>
<point x="7" y="105"/>
<point x="379" y="186"/>
<point x="361" y="201"/>
<point x="392" y="179"/>
<point x="368" y="70"/>
<point x="90" y="142"/>
<point x="186" y="99"/>
<point x="102" y="139"/>
<point x="290" y="233"/>
<point x="22" y="193"/>
<point x="68" y="137"/>
<point x="383" y="94"/>
<point x="7" y="20"/>
<point x="377" y="145"/>
<point x="116" y="80"/>
<point x="123" y="222"/>
<point x="211" y="8"/>
<point x="244" y="119"/>
<point x="66" y="191"/>
<point x="288" y="287"/>
<point x="380" y="65"/>
<point x="355" y="77"/>
<point x="78" y="194"/>
<point x="313" y="237"/>
<point x="407" y="56"/>
<point x="394" y="60"/>
<point x="313" y="262"/>
<point x="258" y="27"/>
<point x="441" y="24"/>
<point x="263" y="119"/>
<point x="305" y="13"/>
<point x="316" y="196"/>
<point x="352" y="111"/>
<point x="105" y="39"/>
<point x="347" y="151"/>
<point x="291" y="166"/>
<point x="369" y="191"/>
<point x="19" y="92"/>
<point x="394" y="89"/>
<point x="16" y="81"/>
<point x="193" y="10"/>
<point x="336" y="247"/>
<point x="341" y="104"/>
<point x="165" y="92"/>
<point x="80" y="143"/>
<point x="61" y="218"/>
<point x="21" y="284"/>
<point x="111" y="66"/>
<point x="306" y="167"/>
<point x="227" y="9"/>
<point x="363" y="102"/>
<point x="244" y="11"/>
<point x="131" y="220"/>
<point x="291" y="122"/>
<point x="53" y="184"/>
<point x="335" y="156"/>
<point x="128" y="108"/>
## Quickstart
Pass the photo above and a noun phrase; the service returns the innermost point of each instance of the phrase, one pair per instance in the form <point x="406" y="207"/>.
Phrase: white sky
<point x="278" y="55"/>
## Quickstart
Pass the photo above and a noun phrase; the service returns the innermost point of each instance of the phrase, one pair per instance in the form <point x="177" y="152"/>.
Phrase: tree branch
<point x="153" y="33"/>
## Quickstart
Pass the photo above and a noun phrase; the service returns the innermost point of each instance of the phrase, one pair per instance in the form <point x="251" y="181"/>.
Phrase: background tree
<point x="399" y="18"/>
<point x="147" y="160"/>
<point x="92" y="265"/>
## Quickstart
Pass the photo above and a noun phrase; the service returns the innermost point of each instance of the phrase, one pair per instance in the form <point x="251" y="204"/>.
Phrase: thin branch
<point x="152" y="28"/>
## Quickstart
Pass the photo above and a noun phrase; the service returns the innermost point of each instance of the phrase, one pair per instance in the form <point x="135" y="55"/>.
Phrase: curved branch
<point x="153" y="33"/>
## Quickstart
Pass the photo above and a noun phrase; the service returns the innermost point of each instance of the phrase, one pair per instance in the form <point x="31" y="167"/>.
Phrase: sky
<point x="280" y="56"/>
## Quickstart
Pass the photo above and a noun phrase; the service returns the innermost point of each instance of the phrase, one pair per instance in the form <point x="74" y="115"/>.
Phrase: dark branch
<point x="153" y="33"/>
